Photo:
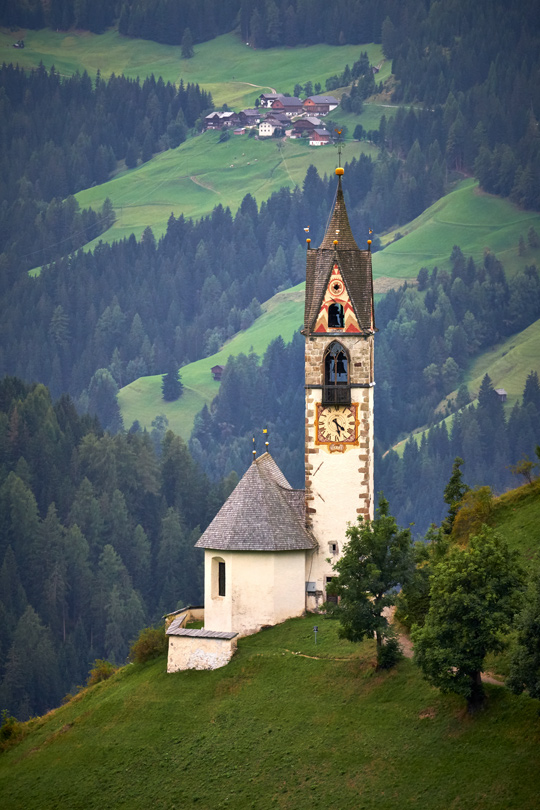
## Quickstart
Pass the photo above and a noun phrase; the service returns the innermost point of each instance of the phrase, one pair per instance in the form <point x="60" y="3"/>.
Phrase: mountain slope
<point x="277" y="729"/>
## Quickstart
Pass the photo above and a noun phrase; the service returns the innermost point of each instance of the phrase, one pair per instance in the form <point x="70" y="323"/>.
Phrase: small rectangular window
<point x="221" y="579"/>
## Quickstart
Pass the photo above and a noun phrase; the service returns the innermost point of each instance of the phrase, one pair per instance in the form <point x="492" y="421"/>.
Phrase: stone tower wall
<point x="339" y="485"/>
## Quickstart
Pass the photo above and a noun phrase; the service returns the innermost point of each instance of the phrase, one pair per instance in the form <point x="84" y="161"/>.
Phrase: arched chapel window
<point x="336" y="375"/>
<point x="218" y="577"/>
<point x="336" y="319"/>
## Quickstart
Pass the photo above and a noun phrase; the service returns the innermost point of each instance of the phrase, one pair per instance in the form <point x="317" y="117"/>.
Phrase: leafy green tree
<point x="474" y="594"/>
<point x="414" y="598"/>
<point x="525" y="468"/>
<point x="377" y="559"/>
<point x="525" y="659"/>
<point x="187" y="45"/>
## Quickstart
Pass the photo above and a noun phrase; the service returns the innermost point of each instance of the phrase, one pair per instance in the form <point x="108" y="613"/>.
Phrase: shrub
<point x="151" y="643"/>
<point x="11" y="730"/>
<point x="101" y="671"/>
<point x="389" y="653"/>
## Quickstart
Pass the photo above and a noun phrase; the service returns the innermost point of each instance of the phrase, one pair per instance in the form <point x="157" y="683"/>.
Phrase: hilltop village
<point x="279" y="115"/>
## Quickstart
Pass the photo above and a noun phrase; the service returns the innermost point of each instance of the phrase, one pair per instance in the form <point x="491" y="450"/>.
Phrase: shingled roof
<point x="354" y="264"/>
<point x="263" y="513"/>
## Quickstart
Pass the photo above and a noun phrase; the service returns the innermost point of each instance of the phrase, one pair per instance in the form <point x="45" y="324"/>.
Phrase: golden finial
<point x="308" y="241"/>
<point x="267" y="443"/>
<point x="254" y="451"/>
<point x="335" y="242"/>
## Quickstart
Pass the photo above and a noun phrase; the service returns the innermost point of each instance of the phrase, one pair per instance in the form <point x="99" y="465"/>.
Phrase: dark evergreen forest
<point x="96" y="541"/>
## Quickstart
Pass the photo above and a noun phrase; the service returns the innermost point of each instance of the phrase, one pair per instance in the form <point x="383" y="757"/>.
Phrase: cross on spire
<point x="339" y="143"/>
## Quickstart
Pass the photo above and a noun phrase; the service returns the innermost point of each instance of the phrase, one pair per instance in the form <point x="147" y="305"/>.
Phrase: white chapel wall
<point x="262" y="588"/>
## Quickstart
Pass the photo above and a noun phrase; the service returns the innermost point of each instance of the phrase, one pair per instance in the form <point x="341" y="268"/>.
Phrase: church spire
<point x="339" y="249"/>
<point x="339" y="227"/>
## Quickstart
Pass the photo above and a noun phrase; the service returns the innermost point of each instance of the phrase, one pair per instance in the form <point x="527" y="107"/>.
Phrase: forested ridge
<point x="97" y="537"/>
<point x="61" y="134"/>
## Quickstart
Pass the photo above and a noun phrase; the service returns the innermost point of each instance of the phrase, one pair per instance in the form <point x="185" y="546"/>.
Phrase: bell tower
<point x="339" y="326"/>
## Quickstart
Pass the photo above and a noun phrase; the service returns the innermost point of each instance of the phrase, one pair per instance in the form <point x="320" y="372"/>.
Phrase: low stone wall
<point x="199" y="649"/>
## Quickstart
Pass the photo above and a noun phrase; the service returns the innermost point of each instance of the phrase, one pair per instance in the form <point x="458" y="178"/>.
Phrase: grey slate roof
<point x="263" y="513"/>
<point x="354" y="264"/>
<point x="323" y="99"/>
<point x="174" y="630"/>
<point x="289" y="101"/>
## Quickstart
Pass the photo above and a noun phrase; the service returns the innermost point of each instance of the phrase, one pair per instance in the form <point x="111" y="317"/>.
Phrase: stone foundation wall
<point x="199" y="653"/>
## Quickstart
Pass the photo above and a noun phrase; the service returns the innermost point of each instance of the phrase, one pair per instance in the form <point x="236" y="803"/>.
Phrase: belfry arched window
<point x="336" y="389"/>
<point x="336" y="319"/>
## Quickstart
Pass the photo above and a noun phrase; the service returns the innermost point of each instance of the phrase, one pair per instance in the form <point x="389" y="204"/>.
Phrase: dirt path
<point x="200" y="183"/>
<point x="259" y="86"/>
<point x="408" y="652"/>
<point x="317" y="657"/>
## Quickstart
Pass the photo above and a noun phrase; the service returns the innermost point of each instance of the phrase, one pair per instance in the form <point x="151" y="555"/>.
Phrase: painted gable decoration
<point x="336" y="312"/>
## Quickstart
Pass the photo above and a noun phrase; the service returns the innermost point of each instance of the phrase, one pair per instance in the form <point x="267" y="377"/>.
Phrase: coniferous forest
<point x="97" y="537"/>
<point x="98" y="519"/>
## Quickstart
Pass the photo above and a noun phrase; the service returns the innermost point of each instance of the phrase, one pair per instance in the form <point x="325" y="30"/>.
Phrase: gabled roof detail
<point x="354" y="265"/>
<point x="263" y="513"/>
<point x="336" y="293"/>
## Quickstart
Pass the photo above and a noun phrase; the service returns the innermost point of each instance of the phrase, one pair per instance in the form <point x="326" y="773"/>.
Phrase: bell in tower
<point x="339" y="326"/>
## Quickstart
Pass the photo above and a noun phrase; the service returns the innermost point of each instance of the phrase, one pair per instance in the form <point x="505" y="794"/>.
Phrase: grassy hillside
<point x="142" y="398"/>
<point x="508" y="364"/>
<point x="466" y="217"/>
<point x="516" y="516"/>
<point x="233" y="72"/>
<point x="202" y="173"/>
<point x="277" y="729"/>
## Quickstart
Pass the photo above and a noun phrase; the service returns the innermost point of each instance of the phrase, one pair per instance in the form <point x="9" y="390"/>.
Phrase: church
<point x="270" y="550"/>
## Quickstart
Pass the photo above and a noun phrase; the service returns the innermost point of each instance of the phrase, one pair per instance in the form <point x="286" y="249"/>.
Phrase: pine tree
<point x="187" y="45"/>
<point x="171" y="386"/>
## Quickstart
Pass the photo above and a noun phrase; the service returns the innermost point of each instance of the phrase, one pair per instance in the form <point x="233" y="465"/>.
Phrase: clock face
<point x="336" y="423"/>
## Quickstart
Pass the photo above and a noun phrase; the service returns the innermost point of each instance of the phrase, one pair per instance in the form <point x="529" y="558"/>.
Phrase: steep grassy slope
<point x="234" y="73"/>
<point x="202" y="173"/>
<point x="516" y="516"/>
<point x="142" y="398"/>
<point x="276" y="729"/>
<point x="508" y="364"/>
<point x="467" y="217"/>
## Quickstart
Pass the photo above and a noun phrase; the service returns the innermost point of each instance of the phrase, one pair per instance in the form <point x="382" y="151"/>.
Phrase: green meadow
<point x="141" y="400"/>
<point x="287" y="724"/>
<point x="202" y="173"/>
<point x="508" y="364"/>
<point x="466" y="217"/>
<point x="232" y="71"/>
